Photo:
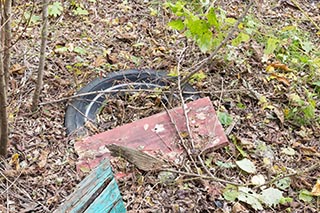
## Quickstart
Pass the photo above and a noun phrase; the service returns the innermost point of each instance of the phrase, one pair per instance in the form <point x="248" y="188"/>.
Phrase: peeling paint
<point x="146" y="127"/>
<point x="158" y="128"/>
<point x="206" y="108"/>
<point x="201" y="116"/>
<point x="103" y="149"/>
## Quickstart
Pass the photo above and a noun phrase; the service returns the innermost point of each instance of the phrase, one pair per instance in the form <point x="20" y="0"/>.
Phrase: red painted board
<point x="157" y="134"/>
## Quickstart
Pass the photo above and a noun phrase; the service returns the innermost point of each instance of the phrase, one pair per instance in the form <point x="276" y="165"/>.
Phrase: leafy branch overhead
<point x="208" y="27"/>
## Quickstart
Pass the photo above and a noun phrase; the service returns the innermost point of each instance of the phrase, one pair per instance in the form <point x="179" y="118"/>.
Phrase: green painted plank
<point x="109" y="199"/>
<point x="99" y="184"/>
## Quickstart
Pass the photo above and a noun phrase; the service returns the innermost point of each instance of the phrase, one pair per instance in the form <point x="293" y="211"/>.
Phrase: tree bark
<point x="3" y="112"/>
<point x="4" y="70"/>
<point x="7" y="39"/>
<point x="35" y="100"/>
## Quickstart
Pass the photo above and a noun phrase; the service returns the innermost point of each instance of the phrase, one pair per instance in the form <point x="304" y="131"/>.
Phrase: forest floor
<point x="40" y="170"/>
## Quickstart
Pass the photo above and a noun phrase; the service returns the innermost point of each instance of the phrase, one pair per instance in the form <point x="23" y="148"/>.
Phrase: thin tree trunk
<point x="7" y="39"/>
<point x="3" y="112"/>
<point x="5" y="16"/>
<point x="35" y="100"/>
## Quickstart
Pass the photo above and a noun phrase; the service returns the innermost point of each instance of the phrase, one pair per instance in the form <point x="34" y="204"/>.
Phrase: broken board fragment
<point x="157" y="134"/>
<point x="98" y="192"/>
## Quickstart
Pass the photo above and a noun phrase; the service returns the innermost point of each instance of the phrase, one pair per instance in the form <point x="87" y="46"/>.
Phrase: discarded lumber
<point x="156" y="134"/>
<point x="98" y="192"/>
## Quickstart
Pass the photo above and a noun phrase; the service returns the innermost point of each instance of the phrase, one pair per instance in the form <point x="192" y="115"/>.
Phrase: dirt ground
<point x="40" y="172"/>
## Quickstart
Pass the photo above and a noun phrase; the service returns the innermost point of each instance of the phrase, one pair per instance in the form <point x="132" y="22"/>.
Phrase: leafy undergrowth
<point x="265" y="86"/>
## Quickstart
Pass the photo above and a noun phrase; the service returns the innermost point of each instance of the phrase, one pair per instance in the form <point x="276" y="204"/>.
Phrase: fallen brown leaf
<point x="18" y="69"/>
<point x="43" y="158"/>
<point x="14" y="161"/>
<point x="238" y="208"/>
<point x="316" y="189"/>
<point x="281" y="66"/>
<point x="100" y="60"/>
<point x="281" y="79"/>
<point x="279" y="114"/>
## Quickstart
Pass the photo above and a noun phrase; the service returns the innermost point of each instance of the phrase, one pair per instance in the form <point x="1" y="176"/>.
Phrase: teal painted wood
<point x="107" y="201"/>
<point x="98" y="192"/>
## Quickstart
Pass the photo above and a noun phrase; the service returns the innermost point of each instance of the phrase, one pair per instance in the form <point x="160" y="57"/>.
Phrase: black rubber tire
<point x="74" y="117"/>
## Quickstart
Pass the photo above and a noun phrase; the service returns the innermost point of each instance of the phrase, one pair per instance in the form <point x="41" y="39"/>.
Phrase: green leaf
<point x="242" y="37"/>
<point x="231" y="21"/>
<point x="34" y="19"/>
<point x="227" y="165"/>
<point x="288" y="151"/>
<point x="80" y="11"/>
<point x="173" y="73"/>
<point x="316" y="61"/>
<point x="60" y="49"/>
<point x="199" y="76"/>
<point x="271" y="196"/>
<point x="176" y="24"/>
<point x="197" y="27"/>
<point x="153" y="12"/>
<point x="217" y="39"/>
<point x="238" y="147"/>
<point x="289" y="28"/>
<point x="224" y="118"/>
<point x="136" y="60"/>
<point x="200" y="31"/>
<point x="248" y="196"/>
<point x="307" y="46"/>
<point x="246" y="165"/>
<point x="309" y="111"/>
<point x="230" y="193"/>
<point x="205" y="41"/>
<point x="305" y="196"/>
<point x="212" y="19"/>
<point x="285" y="200"/>
<point x="296" y="99"/>
<point x="55" y="9"/>
<point x="272" y="44"/>
<point x="208" y="162"/>
<point x="177" y="7"/>
<point x="80" y="50"/>
<point x="283" y="183"/>
<point x="317" y="83"/>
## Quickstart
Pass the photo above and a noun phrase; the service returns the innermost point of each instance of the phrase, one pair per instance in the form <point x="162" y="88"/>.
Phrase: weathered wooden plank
<point x="156" y="133"/>
<point x="98" y="190"/>
<point x="109" y="199"/>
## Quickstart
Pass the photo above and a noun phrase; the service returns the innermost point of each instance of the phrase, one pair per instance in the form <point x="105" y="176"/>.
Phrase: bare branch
<point x="35" y="100"/>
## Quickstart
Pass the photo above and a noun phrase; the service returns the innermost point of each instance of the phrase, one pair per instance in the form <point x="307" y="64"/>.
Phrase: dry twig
<point x="180" y="136"/>
<point x="185" y="112"/>
<point x="297" y="173"/>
